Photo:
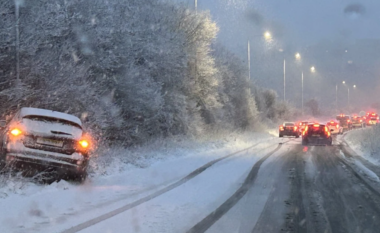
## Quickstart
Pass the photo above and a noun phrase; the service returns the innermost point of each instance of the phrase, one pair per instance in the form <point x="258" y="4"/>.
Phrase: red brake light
<point x="16" y="132"/>
<point x="348" y="120"/>
<point x="316" y="125"/>
<point x="295" y="128"/>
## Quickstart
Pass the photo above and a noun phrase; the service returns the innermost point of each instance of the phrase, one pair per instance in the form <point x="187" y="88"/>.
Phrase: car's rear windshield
<point x="312" y="128"/>
<point x="52" y="120"/>
<point x="289" y="124"/>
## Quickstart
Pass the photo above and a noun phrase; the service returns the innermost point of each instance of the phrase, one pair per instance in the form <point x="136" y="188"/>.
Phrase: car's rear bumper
<point x="334" y="131"/>
<point x="289" y="133"/>
<point x="317" y="141"/>
<point x="19" y="156"/>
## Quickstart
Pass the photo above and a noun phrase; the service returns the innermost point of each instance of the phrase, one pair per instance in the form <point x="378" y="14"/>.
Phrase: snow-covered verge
<point x="118" y="177"/>
<point x="365" y="142"/>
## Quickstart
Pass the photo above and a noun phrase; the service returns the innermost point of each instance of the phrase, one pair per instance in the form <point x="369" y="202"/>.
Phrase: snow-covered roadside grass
<point x="115" y="160"/>
<point x="366" y="142"/>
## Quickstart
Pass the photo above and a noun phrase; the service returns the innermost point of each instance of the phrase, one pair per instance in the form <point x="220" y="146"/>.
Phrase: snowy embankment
<point x="116" y="177"/>
<point x="366" y="142"/>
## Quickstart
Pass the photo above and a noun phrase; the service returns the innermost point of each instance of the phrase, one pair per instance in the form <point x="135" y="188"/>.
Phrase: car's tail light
<point x="361" y="121"/>
<point x="295" y="128"/>
<point x="337" y="126"/>
<point x="316" y="125"/>
<point x="16" y="132"/>
<point x="301" y="123"/>
<point x="327" y="131"/>
<point x="304" y="132"/>
<point x="348" y="121"/>
<point x="84" y="144"/>
<point x="281" y="128"/>
<point x="378" y="118"/>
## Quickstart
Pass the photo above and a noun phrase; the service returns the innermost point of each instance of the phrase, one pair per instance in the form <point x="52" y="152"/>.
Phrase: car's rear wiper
<point x="58" y="132"/>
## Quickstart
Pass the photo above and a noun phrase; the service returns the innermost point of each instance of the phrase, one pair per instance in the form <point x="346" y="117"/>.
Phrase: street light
<point x="312" y="69"/>
<point x="267" y="35"/>
<point x="298" y="56"/>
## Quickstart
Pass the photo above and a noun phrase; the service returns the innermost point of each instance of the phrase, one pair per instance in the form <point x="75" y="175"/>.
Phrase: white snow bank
<point x="370" y="174"/>
<point x="366" y="142"/>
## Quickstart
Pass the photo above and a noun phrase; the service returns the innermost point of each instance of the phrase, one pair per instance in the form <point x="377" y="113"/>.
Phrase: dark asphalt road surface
<point x="328" y="193"/>
<point x="315" y="189"/>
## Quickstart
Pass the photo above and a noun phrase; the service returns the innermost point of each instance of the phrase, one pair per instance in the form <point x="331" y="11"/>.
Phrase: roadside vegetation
<point x="132" y="70"/>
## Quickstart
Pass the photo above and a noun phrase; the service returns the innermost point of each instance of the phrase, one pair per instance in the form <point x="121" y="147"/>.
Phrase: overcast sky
<point x="295" y="25"/>
<point x="303" y="21"/>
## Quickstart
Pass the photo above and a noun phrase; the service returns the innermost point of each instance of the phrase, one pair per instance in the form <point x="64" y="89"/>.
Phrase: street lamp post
<point x="302" y="93"/>
<point x="267" y="36"/>
<point x="336" y="98"/>
<point x="348" y="93"/>
<point x="284" y="79"/>
<point x="249" y="61"/>
<point x="312" y="70"/>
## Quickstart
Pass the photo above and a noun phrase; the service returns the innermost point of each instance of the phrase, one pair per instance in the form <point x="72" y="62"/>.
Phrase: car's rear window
<point x="313" y="129"/>
<point x="289" y="124"/>
<point x="52" y="120"/>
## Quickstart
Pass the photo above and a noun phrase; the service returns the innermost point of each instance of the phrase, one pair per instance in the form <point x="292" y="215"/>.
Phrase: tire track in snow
<point x="209" y="220"/>
<point x="190" y="176"/>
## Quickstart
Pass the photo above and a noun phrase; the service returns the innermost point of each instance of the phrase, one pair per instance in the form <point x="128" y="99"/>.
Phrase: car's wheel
<point x="297" y="136"/>
<point x="280" y="135"/>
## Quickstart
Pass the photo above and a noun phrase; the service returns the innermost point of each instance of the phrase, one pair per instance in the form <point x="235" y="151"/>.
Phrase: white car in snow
<point x="334" y="127"/>
<point x="45" y="140"/>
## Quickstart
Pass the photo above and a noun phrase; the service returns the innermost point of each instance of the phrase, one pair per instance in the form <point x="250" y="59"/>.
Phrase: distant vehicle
<point x="302" y="125"/>
<point x="316" y="134"/>
<point x="288" y="129"/>
<point x="44" y="140"/>
<point x="334" y="127"/>
<point x="362" y="113"/>
<point x="344" y="121"/>
<point x="357" y="122"/>
<point x="371" y="118"/>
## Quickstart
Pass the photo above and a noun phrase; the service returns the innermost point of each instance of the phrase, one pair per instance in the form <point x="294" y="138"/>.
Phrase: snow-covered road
<point x="270" y="186"/>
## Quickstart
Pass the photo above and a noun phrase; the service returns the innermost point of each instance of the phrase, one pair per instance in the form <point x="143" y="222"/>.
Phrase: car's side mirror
<point x="3" y="124"/>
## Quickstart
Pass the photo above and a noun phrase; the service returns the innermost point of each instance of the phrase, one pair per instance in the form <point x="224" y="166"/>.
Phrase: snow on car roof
<point x="49" y="113"/>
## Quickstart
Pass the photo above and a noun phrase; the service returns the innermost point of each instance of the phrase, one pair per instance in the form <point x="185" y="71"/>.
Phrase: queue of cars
<point x="315" y="133"/>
